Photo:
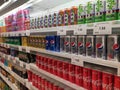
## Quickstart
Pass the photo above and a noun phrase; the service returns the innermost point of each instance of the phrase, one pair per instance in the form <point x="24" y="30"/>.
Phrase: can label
<point x="113" y="48"/>
<point x="67" y="44"/>
<point x="116" y="83"/>
<point x="50" y="21"/>
<point x="72" y="73"/>
<point x="79" y="75"/>
<point x="60" y="69"/>
<point x="66" y="71"/>
<point x="81" y="45"/>
<point x="73" y="44"/>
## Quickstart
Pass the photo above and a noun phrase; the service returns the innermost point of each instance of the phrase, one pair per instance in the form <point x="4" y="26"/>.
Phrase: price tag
<point x="27" y="32"/>
<point x="103" y="28"/>
<point x="28" y="49"/>
<point x="61" y="32"/>
<point x="20" y="48"/>
<point x="80" y="30"/>
<point x="76" y="60"/>
<point x="21" y="64"/>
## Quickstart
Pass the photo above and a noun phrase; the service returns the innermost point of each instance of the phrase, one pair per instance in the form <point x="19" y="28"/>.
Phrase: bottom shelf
<point x="11" y="85"/>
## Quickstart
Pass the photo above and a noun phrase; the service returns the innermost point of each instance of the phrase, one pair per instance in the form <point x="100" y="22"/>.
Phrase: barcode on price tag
<point x="61" y="32"/>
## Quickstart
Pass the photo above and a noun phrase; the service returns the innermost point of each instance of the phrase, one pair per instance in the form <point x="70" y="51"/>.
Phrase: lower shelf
<point x="11" y="85"/>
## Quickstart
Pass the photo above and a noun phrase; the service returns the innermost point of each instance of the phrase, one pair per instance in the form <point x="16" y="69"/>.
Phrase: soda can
<point x="90" y="46"/>
<point x="40" y="62"/>
<point x="50" y="69"/>
<point x="39" y="82"/>
<point x="47" y="42"/>
<point x="67" y="44"/>
<point x="71" y="73"/>
<point x="36" y="81"/>
<point x="67" y="17"/>
<point x="45" y="21"/>
<point x="55" y="87"/>
<point x="46" y="85"/>
<point x="107" y="81"/>
<point x="60" y="18"/>
<point x="96" y="80"/>
<point x="60" y="88"/>
<point x="74" y="44"/>
<point x="41" y="22"/>
<point x="50" y="20"/>
<point x="116" y="82"/>
<point x="81" y="45"/>
<point x="52" y="43"/>
<point x="113" y="48"/>
<point x="101" y="49"/>
<point x="62" y="38"/>
<point x="57" y="42"/>
<point x="50" y="86"/>
<point x="66" y="70"/>
<point x="45" y="65"/>
<point x="54" y="19"/>
<point x="60" y="69"/>
<point x="29" y="76"/>
<point x="79" y="75"/>
<point x="87" y="78"/>
<point x="54" y="67"/>
<point x="33" y="79"/>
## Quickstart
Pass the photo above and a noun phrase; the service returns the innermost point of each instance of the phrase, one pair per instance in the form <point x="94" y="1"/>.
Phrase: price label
<point x="21" y="64"/>
<point x="27" y="32"/>
<point x="20" y="48"/>
<point x="61" y="32"/>
<point x="76" y="60"/>
<point x="103" y="28"/>
<point x="80" y="30"/>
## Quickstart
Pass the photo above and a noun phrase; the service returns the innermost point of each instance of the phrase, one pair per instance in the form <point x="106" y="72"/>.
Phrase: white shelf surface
<point x="65" y="82"/>
<point x="11" y="85"/>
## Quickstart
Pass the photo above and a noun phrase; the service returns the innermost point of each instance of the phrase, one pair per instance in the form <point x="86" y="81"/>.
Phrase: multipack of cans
<point x="84" y="77"/>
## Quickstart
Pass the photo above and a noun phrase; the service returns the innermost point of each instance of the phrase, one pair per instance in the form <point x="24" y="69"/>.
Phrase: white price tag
<point x="80" y="30"/>
<point x="61" y="32"/>
<point x="20" y="48"/>
<point x="27" y="32"/>
<point x="76" y="60"/>
<point x="21" y="64"/>
<point x="103" y="28"/>
<point x="28" y="49"/>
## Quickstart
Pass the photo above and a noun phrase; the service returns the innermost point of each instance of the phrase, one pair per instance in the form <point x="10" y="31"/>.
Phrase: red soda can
<point x="87" y="78"/>
<point x="46" y="85"/>
<point x="79" y="75"/>
<point x="40" y="62"/>
<point x="72" y="73"/>
<point x="45" y="63"/>
<point x="36" y="81"/>
<point x="105" y="81"/>
<point x="43" y="84"/>
<point x="60" y="88"/>
<point x="111" y="82"/>
<point x="66" y="71"/>
<point x="33" y="79"/>
<point x="116" y="82"/>
<point x="55" y="67"/>
<point x="60" y="69"/>
<point x="39" y="82"/>
<point x="37" y="60"/>
<point x="29" y="75"/>
<point x="55" y="87"/>
<point x="50" y="65"/>
<point x="50" y="86"/>
<point x="96" y="80"/>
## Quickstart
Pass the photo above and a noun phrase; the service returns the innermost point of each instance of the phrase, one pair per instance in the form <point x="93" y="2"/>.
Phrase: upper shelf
<point x="82" y="29"/>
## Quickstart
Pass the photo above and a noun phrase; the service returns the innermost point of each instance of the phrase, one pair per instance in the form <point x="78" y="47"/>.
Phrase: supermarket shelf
<point x="75" y="59"/>
<point x="64" y="30"/>
<point x="23" y="81"/>
<point x="65" y="82"/>
<point x="13" y="87"/>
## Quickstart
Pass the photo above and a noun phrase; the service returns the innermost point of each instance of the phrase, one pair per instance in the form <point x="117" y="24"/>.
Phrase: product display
<point x="60" y="46"/>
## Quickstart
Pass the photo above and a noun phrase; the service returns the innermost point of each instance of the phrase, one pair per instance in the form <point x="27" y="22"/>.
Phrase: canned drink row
<point x="42" y="83"/>
<point x="84" y="77"/>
